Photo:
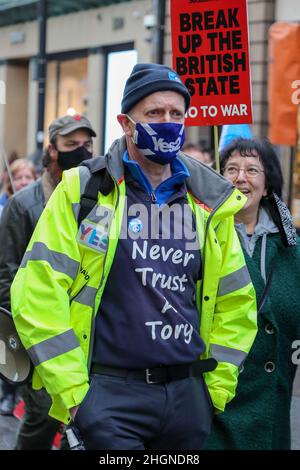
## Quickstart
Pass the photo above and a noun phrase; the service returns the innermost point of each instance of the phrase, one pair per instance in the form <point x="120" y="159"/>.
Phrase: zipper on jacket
<point x="153" y="197"/>
<point x="92" y="337"/>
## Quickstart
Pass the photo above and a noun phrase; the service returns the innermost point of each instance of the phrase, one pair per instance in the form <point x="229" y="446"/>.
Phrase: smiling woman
<point x="259" y="416"/>
<point x="246" y="171"/>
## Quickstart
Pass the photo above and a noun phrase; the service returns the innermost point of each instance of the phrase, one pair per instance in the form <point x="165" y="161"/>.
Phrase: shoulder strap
<point x="89" y="198"/>
<point x="99" y="181"/>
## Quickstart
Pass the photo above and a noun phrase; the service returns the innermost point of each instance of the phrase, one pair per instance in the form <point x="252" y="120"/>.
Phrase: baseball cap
<point x="66" y="124"/>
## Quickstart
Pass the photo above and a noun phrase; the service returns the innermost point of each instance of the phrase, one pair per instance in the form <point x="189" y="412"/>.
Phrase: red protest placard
<point x="211" y="56"/>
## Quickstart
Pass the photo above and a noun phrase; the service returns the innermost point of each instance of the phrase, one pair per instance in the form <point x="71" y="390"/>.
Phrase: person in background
<point x="4" y="180"/>
<point x="23" y="173"/>
<point x="198" y="152"/>
<point x="126" y="301"/>
<point x="70" y="144"/>
<point x="259" y="416"/>
<point x="3" y="194"/>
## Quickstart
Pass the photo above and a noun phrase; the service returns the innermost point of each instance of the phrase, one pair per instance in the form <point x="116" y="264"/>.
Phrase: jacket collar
<point x="264" y="227"/>
<point x="207" y="186"/>
<point x="166" y="188"/>
<point x="48" y="185"/>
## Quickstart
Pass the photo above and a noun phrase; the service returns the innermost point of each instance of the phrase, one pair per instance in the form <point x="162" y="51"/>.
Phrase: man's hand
<point x="73" y="411"/>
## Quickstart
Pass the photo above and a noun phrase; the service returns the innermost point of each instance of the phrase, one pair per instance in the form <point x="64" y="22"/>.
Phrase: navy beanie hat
<point x="149" y="78"/>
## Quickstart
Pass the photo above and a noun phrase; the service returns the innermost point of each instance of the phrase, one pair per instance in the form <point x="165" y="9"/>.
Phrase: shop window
<point x="67" y="90"/>
<point x="119" y="67"/>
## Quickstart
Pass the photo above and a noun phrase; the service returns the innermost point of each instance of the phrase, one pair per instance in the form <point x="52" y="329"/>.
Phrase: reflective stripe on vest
<point x="225" y="354"/>
<point x="86" y="296"/>
<point x="53" y="347"/>
<point x="58" y="261"/>
<point x="234" y="281"/>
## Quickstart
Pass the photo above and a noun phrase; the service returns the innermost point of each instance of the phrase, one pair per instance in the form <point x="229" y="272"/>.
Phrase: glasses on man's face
<point x="250" y="172"/>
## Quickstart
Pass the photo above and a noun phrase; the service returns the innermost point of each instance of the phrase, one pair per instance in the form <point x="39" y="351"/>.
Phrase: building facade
<point x="79" y="45"/>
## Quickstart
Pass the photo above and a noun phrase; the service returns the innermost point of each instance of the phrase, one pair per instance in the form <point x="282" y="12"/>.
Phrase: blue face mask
<point x="159" y="142"/>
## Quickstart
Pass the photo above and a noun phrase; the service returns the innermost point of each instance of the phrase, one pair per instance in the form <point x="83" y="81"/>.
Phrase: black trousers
<point x="37" y="429"/>
<point x="9" y="389"/>
<point x="129" y="414"/>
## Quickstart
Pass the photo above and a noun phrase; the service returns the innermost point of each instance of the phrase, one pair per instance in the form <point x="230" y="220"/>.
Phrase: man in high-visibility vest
<point x="138" y="316"/>
<point x="70" y="143"/>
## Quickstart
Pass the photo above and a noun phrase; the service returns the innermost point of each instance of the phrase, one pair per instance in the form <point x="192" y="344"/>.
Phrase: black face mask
<point x="67" y="160"/>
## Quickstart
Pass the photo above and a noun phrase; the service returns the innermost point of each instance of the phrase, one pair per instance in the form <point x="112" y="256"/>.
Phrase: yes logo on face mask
<point x="159" y="142"/>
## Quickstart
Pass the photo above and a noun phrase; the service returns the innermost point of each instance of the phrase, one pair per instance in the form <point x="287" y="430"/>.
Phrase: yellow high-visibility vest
<point x="58" y="288"/>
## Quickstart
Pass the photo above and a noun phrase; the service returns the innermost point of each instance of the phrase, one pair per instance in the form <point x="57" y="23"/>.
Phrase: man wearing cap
<point x="70" y="143"/>
<point x="150" y="310"/>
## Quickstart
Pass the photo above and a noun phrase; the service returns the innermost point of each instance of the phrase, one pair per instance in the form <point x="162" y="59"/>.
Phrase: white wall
<point x="287" y="10"/>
